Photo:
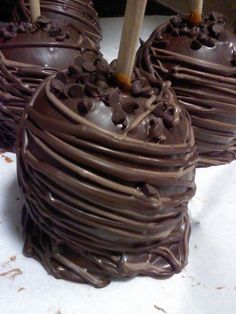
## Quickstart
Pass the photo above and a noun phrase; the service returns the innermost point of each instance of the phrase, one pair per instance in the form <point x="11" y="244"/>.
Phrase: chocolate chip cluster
<point x="55" y="29"/>
<point x="91" y="79"/>
<point x="206" y="34"/>
<point x="85" y="79"/>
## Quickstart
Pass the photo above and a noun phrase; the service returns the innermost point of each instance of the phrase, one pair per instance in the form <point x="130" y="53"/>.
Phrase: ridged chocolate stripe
<point x="101" y="202"/>
<point x="18" y="82"/>
<point x="203" y="75"/>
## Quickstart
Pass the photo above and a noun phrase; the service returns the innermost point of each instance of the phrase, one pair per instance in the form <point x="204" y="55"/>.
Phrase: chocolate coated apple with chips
<point x="106" y="176"/>
<point x="200" y="61"/>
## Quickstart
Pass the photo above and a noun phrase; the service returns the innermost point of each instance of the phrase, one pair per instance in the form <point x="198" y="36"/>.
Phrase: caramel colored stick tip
<point x="195" y="17"/>
<point x="123" y="81"/>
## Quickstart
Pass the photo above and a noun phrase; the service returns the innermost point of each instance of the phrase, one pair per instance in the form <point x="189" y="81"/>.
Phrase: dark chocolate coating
<point x="79" y="13"/>
<point x="200" y="61"/>
<point x="106" y="176"/>
<point x="44" y="47"/>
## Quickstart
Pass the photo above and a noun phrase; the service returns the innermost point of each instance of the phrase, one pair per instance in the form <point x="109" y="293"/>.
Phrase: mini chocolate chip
<point x="140" y="88"/>
<point x="195" y="45"/>
<point x="88" y="67"/>
<point x="75" y="71"/>
<point x="57" y="86"/>
<point x="175" y="32"/>
<point x="149" y="190"/>
<point x="54" y="31"/>
<point x="79" y="61"/>
<point x="130" y="107"/>
<point x="42" y="21"/>
<point x="113" y="64"/>
<point x="114" y="98"/>
<point x="175" y="20"/>
<point x="84" y="106"/>
<point x="61" y="76"/>
<point x="118" y="116"/>
<point x="202" y="38"/>
<point x="33" y="28"/>
<point x="61" y="37"/>
<point x="210" y="42"/>
<point x="47" y="28"/>
<point x="154" y="131"/>
<point x="215" y="16"/>
<point x="102" y="67"/>
<point x="184" y="30"/>
<point x="90" y="56"/>
<point x="193" y="32"/>
<point x="217" y="29"/>
<point x="161" y="44"/>
<point x="75" y="91"/>
<point x="22" y="28"/>
<point x="92" y="90"/>
<point x="102" y="85"/>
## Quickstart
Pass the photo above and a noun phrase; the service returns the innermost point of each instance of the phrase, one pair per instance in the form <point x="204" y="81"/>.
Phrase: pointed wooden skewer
<point x="196" y="12"/>
<point x="134" y="15"/>
<point x="34" y="9"/>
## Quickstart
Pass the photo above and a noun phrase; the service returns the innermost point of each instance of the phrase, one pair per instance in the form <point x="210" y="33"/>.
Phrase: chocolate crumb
<point x="7" y="159"/>
<point x="12" y="258"/>
<point x="20" y="289"/>
<point x="11" y="274"/>
<point x="160" y="309"/>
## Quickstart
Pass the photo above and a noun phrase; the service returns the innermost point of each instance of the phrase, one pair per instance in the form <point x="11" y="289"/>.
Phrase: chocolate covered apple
<point x="106" y="175"/>
<point x="200" y="61"/>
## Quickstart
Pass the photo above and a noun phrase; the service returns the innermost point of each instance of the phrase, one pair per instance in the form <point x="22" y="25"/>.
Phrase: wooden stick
<point x="134" y="15"/>
<point x="34" y="9"/>
<point x="196" y="13"/>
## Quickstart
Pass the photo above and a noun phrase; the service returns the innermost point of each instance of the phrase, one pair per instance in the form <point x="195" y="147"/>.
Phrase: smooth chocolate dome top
<point x="106" y="176"/>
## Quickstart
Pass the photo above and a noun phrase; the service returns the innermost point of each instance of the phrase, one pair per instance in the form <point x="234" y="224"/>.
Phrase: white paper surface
<point x="206" y="286"/>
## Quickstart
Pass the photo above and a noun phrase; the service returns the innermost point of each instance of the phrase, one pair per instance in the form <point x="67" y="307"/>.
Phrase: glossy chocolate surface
<point x="79" y="13"/>
<point x="106" y="176"/>
<point x="200" y="61"/>
<point x="46" y="46"/>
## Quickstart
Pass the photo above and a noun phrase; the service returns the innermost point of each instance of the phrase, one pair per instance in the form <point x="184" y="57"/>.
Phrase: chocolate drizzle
<point x="79" y="13"/>
<point x="106" y="177"/>
<point x="18" y="81"/>
<point x="200" y="62"/>
<point x="30" y="52"/>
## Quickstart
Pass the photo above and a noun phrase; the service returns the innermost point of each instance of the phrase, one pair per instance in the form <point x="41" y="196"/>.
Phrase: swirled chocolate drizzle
<point x="200" y="61"/>
<point x="79" y="13"/>
<point x="106" y="176"/>
<point x="28" y="53"/>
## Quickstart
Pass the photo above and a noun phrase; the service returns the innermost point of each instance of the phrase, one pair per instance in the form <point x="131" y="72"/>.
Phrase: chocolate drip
<point x="29" y="53"/>
<point x="200" y="62"/>
<point x="81" y="14"/>
<point x="106" y="176"/>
